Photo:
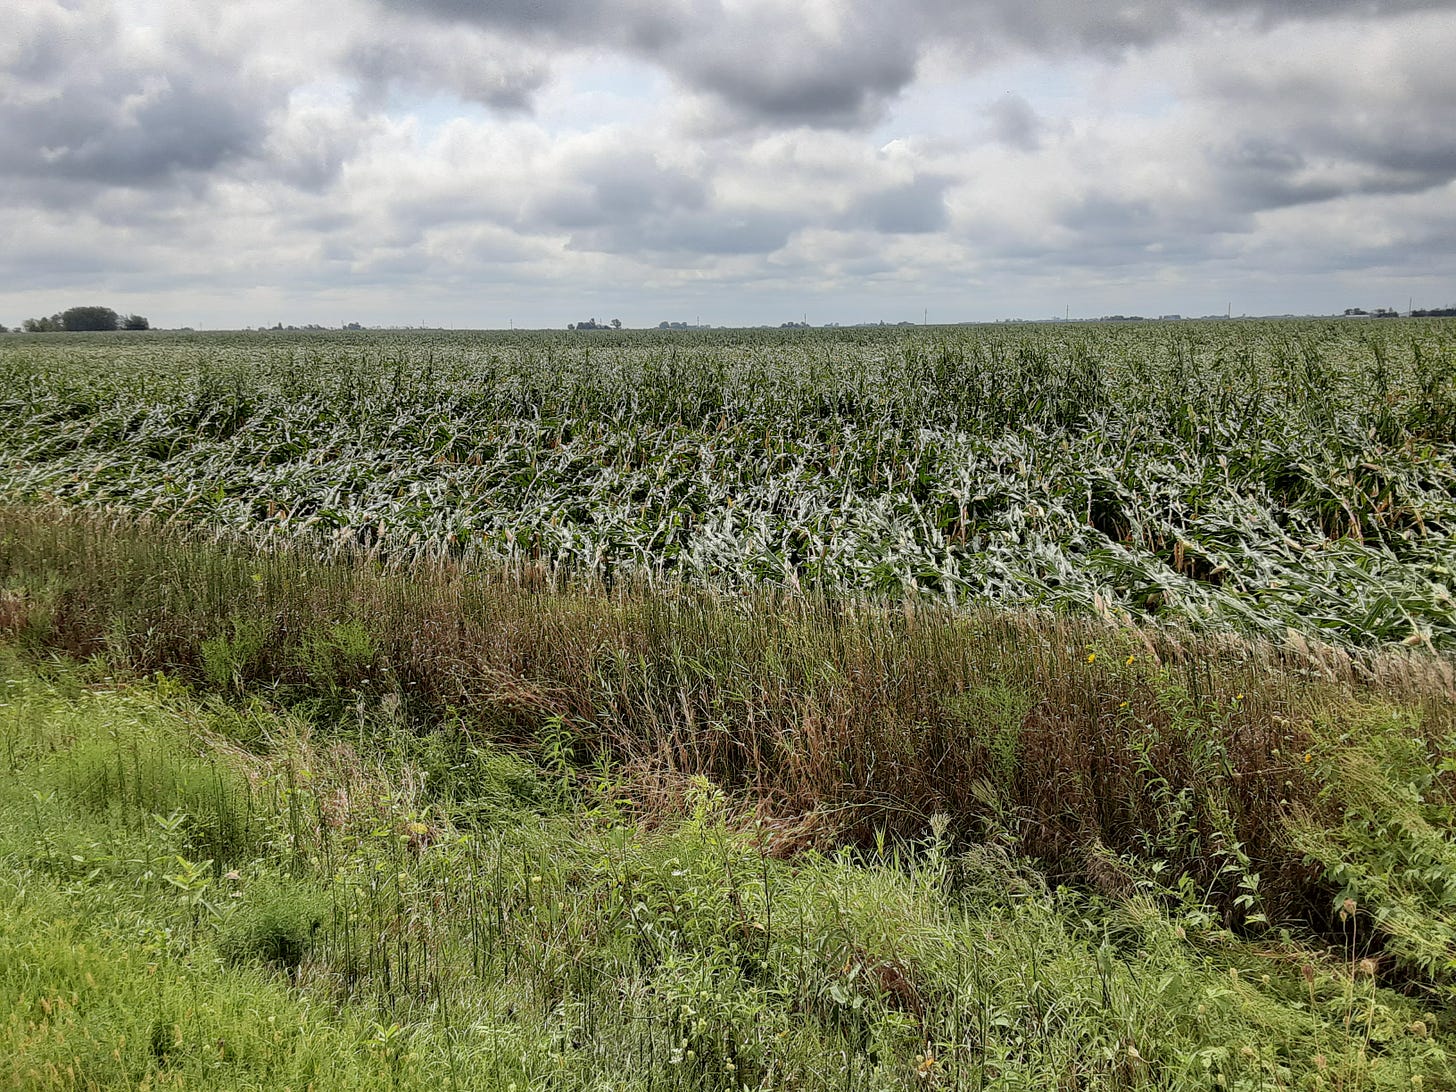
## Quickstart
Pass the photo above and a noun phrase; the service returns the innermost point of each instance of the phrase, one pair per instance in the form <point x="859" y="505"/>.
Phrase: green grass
<point x="840" y="720"/>
<point x="1247" y="476"/>
<point x="377" y="931"/>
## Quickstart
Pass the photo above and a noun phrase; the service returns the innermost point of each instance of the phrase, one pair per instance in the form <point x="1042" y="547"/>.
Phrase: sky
<point x="488" y="163"/>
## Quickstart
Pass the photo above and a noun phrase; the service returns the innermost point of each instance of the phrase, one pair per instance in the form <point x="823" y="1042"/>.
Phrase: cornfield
<point x="1259" y="477"/>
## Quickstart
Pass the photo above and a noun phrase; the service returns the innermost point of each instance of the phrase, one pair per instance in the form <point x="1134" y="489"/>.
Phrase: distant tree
<point x="77" y="319"/>
<point x="4" y="329"/>
<point x="85" y="319"/>
<point x="616" y="324"/>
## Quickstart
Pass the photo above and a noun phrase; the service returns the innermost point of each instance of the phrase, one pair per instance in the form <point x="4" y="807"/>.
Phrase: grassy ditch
<point x="1100" y="747"/>
<point x="197" y="894"/>
<point x="492" y="828"/>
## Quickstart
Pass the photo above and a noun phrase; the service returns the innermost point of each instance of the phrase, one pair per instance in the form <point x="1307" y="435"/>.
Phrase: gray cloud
<point x="48" y="262"/>
<point x="781" y="71"/>
<point x="612" y="185"/>
<point x="1014" y="123"/>
<point x="841" y="65"/>
<point x="1109" y="231"/>
<point x="329" y="149"/>
<point x="1368" y="114"/>
<point x="80" y="109"/>
<point x="129" y="128"/>
<point x="1274" y="12"/>
<point x="714" y="233"/>
<point x="414" y="54"/>
<point x="914" y="207"/>
<point x="1297" y="161"/>
<point x="768" y="63"/>
<point x="308" y="147"/>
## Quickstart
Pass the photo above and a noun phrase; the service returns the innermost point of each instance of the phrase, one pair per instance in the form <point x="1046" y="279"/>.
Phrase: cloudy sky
<point x="488" y="162"/>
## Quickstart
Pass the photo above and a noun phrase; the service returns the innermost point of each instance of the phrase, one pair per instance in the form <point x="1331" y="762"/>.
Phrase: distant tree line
<point x="1390" y="312"/>
<point x="84" y="319"/>
<point x="593" y="324"/>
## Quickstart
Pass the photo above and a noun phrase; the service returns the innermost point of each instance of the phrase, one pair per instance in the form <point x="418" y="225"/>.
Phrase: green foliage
<point x="27" y="613"/>
<point x="228" y="659"/>
<point x="1106" y="751"/>
<point x="579" y="951"/>
<point x="1383" y="835"/>
<point x="487" y="786"/>
<point x="136" y="766"/>
<point x="1260" y="476"/>
<point x="337" y="652"/>
<point x="83" y="319"/>
<point x="276" y="923"/>
<point x="993" y="716"/>
<point x="1102" y="858"/>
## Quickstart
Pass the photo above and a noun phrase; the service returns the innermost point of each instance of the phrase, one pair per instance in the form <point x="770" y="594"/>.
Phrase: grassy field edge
<point x="1196" y="808"/>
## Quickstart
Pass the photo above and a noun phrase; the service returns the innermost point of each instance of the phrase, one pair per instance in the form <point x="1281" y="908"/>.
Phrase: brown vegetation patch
<point x="823" y="720"/>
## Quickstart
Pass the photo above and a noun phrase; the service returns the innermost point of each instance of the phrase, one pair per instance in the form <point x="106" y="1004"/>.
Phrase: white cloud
<point x="458" y="161"/>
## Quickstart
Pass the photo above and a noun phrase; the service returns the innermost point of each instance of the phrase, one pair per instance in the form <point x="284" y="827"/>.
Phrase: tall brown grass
<point x="1093" y="747"/>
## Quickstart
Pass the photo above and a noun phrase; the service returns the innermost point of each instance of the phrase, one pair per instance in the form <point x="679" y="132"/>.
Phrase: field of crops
<point x="1262" y="476"/>
<point x="281" y="806"/>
